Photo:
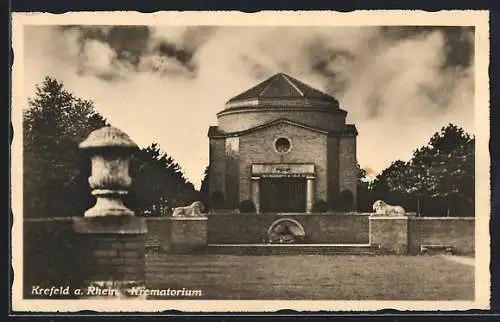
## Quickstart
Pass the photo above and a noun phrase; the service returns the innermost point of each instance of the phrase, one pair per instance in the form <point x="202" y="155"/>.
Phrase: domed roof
<point x="281" y="87"/>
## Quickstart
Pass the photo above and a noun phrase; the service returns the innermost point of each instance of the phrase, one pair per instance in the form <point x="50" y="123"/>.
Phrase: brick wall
<point x="217" y="167"/>
<point x="113" y="257"/>
<point x="234" y="122"/>
<point x="232" y="160"/>
<point x="391" y="233"/>
<point x="333" y="171"/>
<point x="188" y="234"/>
<point x="158" y="232"/>
<point x="78" y="251"/>
<point x="321" y="228"/>
<point x="176" y="234"/>
<point x="455" y="231"/>
<point x="403" y="235"/>
<point x="347" y="166"/>
<point x="50" y="255"/>
<point x="307" y="147"/>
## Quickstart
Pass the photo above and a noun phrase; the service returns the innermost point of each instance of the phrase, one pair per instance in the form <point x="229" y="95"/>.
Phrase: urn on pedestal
<point x="110" y="150"/>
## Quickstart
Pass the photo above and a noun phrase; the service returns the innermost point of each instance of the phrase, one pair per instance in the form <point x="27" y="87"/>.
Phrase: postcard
<point x="250" y="162"/>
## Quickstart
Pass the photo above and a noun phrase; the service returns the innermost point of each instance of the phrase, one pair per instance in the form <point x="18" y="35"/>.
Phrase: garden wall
<point x="74" y="252"/>
<point x="158" y="232"/>
<point x="328" y="228"/>
<point x="458" y="232"/>
<point x="50" y="254"/>
<point x="54" y="253"/>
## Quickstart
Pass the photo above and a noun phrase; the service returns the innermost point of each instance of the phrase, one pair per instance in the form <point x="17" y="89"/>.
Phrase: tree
<point x="441" y="171"/>
<point x="364" y="193"/>
<point x="54" y="174"/>
<point x="444" y="169"/>
<point x="204" y="188"/>
<point x="455" y="183"/>
<point x="449" y="139"/>
<point x="159" y="184"/>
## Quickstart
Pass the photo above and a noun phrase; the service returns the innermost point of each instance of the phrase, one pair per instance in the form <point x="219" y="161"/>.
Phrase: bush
<point x="217" y="200"/>
<point x="320" y="205"/>
<point x="346" y="200"/>
<point x="246" y="206"/>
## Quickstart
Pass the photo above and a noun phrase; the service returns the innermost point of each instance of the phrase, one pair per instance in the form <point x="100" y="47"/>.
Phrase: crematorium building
<point x="283" y="145"/>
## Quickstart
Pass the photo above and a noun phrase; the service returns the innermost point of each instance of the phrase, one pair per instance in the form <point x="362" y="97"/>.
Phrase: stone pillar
<point x="256" y="193"/>
<point x="309" y="194"/>
<point x="390" y="234"/>
<point x="188" y="234"/>
<point x="111" y="238"/>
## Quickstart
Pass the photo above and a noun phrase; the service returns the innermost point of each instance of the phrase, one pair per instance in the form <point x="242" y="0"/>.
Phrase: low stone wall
<point x="77" y="252"/>
<point x="458" y="232"/>
<point x="50" y="255"/>
<point x="58" y="251"/>
<point x="176" y="235"/>
<point x="390" y="233"/>
<point x="324" y="228"/>
<point x="188" y="234"/>
<point x="404" y="235"/>
<point x="158" y="232"/>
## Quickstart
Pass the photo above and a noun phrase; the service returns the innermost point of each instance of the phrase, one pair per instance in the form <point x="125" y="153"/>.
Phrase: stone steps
<point x="296" y="249"/>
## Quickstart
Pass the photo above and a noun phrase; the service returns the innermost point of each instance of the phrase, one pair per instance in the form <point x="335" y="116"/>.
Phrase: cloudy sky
<point x="165" y="84"/>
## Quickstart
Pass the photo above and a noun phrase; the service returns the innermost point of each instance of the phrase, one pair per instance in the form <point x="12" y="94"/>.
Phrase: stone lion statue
<point x="382" y="208"/>
<point x="193" y="210"/>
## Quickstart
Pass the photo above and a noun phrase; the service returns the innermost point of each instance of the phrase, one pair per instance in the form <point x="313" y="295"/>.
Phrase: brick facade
<point x="347" y="166"/>
<point x="251" y="123"/>
<point x="217" y="165"/>
<point x="307" y="147"/>
<point x="248" y="118"/>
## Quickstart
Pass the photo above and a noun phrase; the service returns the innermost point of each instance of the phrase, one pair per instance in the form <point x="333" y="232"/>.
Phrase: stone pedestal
<point x="188" y="234"/>
<point x="390" y="233"/>
<point x="111" y="238"/>
<point x="111" y="256"/>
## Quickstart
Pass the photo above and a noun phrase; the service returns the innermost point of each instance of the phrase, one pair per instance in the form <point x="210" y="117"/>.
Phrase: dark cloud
<point x="326" y="61"/>
<point x="256" y="70"/>
<point x="131" y="43"/>
<point x="128" y="42"/>
<point x="108" y="76"/>
<point x="336" y="65"/>
<point x="335" y="81"/>
<point x="459" y="41"/>
<point x="171" y="50"/>
<point x="183" y="51"/>
<point x="459" y="46"/>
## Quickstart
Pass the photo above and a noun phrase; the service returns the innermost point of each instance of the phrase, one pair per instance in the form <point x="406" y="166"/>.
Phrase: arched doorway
<point x="286" y="231"/>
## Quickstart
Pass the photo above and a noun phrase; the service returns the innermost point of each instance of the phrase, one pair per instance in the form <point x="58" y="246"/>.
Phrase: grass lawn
<point x="319" y="277"/>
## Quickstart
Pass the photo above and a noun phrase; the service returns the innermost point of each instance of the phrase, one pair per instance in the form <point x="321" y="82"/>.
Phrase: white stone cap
<point x="445" y="218"/>
<point x="388" y="217"/>
<point x="187" y="218"/>
<point x="107" y="136"/>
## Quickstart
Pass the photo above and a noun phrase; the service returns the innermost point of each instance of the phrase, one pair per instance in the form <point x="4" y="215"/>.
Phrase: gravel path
<point x="461" y="259"/>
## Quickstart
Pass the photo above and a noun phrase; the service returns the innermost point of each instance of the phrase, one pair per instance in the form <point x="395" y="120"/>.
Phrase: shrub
<point x="246" y="206"/>
<point x="320" y="205"/>
<point x="217" y="200"/>
<point x="346" y="200"/>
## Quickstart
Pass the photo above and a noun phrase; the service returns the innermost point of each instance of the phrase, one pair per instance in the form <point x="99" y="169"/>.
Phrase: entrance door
<point x="282" y="194"/>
